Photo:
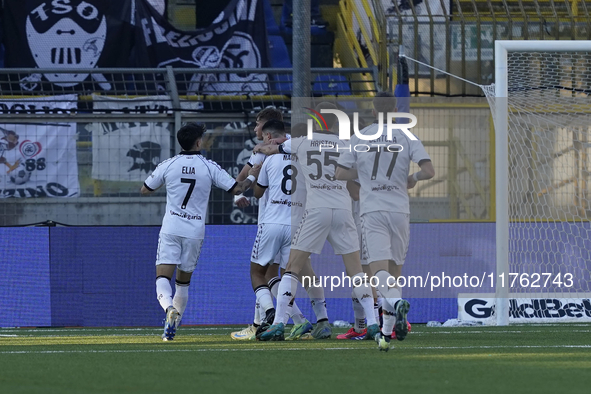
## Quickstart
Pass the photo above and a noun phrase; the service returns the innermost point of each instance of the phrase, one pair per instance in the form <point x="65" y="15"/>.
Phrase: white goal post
<point x="542" y="124"/>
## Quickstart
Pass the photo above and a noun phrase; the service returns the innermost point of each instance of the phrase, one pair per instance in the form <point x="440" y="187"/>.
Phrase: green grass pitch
<point x="515" y="359"/>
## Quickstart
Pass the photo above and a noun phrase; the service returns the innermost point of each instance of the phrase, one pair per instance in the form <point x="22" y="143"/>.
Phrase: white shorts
<point x="179" y="251"/>
<point x="273" y="242"/>
<point x="320" y="224"/>
<point x="385" y="236"/>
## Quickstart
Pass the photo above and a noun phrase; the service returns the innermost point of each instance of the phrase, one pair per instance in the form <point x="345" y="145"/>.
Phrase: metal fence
<point x="110" y="163"/>
<point x="455" y="36"/>
<point x="131" y="102"/>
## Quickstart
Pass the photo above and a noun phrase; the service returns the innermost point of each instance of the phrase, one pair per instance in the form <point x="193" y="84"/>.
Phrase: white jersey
<point x="277" y="177"/>
<point x="298" y="196"/>
<point x="318" y="166"/>
<point x="256" y="159"/>
<point x="188" y="177"/>
<point x="383" y="173"/>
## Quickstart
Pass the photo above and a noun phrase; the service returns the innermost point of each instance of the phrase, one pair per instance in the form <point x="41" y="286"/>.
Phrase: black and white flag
<point x="66" y="34"/>
<point x="237" y="39"/>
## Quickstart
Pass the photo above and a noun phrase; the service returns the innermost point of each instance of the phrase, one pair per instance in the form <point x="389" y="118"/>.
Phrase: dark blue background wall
<point x="104" y="276"/>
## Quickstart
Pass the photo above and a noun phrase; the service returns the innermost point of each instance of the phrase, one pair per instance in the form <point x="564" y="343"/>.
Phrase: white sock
<point x="273" y="286"/>
<point x="316" y="295"/>
<point x="264" y="298"/>
<point x="296" y="314"/>
<point x="181" y="296"/>
<point x="164" y="292"/>
<point x="359" y="315"/>
<point x="285" y="293"/>
<point x="257" y="315"/>
<point x="389" y="318"/>
<point x="293" y="310"/>
<point x="376" y="311"/>
<point x="364" y="294"/>
<point x="391" y="296"/>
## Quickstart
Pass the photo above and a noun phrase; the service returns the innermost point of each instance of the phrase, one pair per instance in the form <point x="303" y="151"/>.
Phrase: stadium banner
<point x="237" y="39"/>
<point x="129" y="151"/>
<point x="528" y="308"/>
<point x="99" y="34"/>
<point x="38" y="159"/>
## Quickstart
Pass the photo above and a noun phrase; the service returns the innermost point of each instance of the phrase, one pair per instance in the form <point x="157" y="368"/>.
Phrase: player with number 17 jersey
<point x="383" y="170"/>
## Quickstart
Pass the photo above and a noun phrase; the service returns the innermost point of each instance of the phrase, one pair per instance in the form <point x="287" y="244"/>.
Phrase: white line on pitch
<point x="83" y="329"/>
<point x="292" y="349"/>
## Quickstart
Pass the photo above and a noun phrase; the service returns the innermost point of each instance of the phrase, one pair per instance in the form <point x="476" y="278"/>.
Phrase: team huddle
<point x="310" y="190"/>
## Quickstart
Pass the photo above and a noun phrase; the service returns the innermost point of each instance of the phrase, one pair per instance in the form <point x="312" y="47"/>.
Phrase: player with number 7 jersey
<point x="188" y="178"/>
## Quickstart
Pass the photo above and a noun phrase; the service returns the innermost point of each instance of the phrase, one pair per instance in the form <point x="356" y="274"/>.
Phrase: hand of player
<point x="258" y="147"/>
<point x="241" y="201"/>
<point x="277" y="141"/>
<point x="254" y="171"/>
<point x="410" y="182"/>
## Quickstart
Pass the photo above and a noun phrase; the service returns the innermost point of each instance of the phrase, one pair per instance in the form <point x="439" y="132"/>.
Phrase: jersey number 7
<point x="191" y="183"/>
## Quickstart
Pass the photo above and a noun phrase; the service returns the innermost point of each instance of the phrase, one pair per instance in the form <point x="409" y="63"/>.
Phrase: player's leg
<point x="301" y="324"/>
<point x="189" y="257"/>
<point x="308" y="238"/>
<point x="181" y="292"/>
<point x="400" y="237"/>
<point x="264" y="251"/>
<point x="376" y="300"/>
<point x="168" y="256"/>
<point x="345" y="241"/>
<point x="376" y="227"/>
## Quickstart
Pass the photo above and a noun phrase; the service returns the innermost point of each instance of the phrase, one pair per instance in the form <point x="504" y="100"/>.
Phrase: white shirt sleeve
<point x="418" y="152"/>
<point x="220" y="178"/>
<point x="285" y="147"/>
<point x="263" y="179"/>
<point x="156" y="178"/>
<point x="256" y="158"/>
<point x="347" y="159"/>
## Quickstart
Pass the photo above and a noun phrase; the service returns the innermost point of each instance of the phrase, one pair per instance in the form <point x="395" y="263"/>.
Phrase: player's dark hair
<point x="330" y="119"/>
<point x="270" y="113"/>
<point x="384" y="102"/>
<point x="299" y="130"/>
<point x="189" y="133"/>
<point x="275" y="127"/>
<point x="361" y="124"/>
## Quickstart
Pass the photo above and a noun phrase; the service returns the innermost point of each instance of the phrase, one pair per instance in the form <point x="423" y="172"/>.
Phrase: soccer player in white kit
<point x="327" y="216"/>
<point x="188" y="178"/>
<point x="265" y="115"/>
<point x="383" y="172"/>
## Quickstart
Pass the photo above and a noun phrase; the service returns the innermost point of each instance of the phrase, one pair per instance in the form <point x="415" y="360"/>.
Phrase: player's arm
<point x="256" y="158"/>
<point x="240" y="187"/>
<point x="353" y="187"/>
<point x="427" y="172"/>
<point x="345" y="170"/>
<point x="345" y="174"/>
<point x="262" y="182"/>
<point x="145" y="190"/>
<point x="272" y="149"/>
<point x="259" y="190"/>
<point x="154" y="182"/>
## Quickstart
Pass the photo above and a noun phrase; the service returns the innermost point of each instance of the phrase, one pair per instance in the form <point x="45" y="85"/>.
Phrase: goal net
<point x="542" y="111"/>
